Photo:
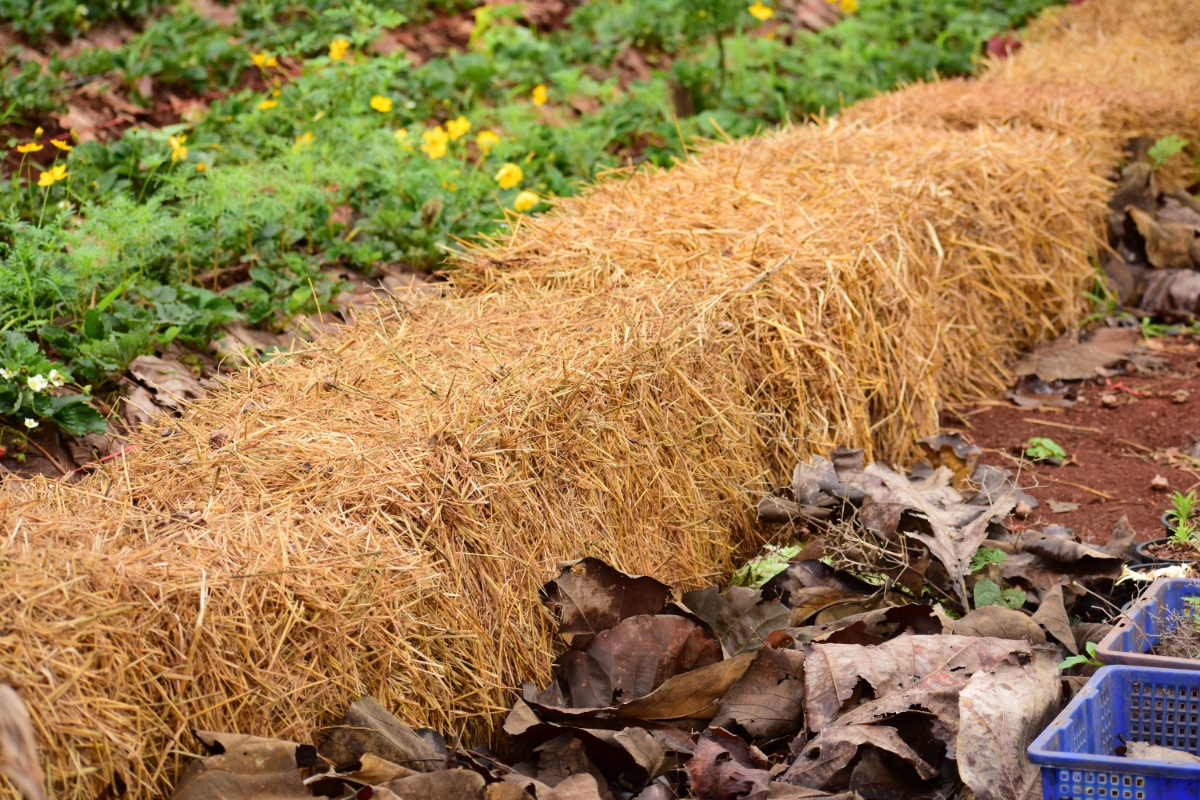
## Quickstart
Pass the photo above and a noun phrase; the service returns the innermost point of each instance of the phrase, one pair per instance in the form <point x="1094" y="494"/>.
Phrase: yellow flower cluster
<point x="381" y="104"/>
<point x="178" y="151"/>
<point x="337" y="49"/>
<point x="457" y="128"/>
<point x="486" y="140"/>
<point x="263" y="60"/>
<point x="540" y="95"/>
<point x="509" y="176"/>
<point x="847" y="6"/>
<point x="436" y="141"/>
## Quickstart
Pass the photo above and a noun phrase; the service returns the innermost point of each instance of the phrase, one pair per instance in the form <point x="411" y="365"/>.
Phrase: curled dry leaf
<point x="633" y="659"/>
<point x="445" y="784"/>
<point x="18" y="749"/>
<point x="1051" y="614"/>
<point x="768" y="700"/>
<point x="809" y="574"/>
<point x="367" y="728"/>
<point x="998" y="622"/>
<point x="724" y="767"/>
<point x="592" y="597"/>
<point x="1072" y="358"/>
<point x="241" y="766"/>
<point x="740" y="617"/>
<point x="1000" y="712"/>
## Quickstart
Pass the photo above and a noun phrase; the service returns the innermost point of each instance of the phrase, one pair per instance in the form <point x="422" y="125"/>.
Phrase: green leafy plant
<point x="757" y="571"/>
<point x="1042" y="449"/>
<point x="1087" y="658"/>
<point x="985" y="556"/>
<point x="1180" y="514"/>
<point x="1162" y="149"/>
<point x="989" y="593"/>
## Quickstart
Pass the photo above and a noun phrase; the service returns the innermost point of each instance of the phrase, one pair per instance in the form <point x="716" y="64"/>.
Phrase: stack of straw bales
<point x="618" y="379"/>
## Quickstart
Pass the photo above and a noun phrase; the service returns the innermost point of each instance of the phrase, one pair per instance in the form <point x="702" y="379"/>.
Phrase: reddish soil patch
<point x="1114" y="454"/>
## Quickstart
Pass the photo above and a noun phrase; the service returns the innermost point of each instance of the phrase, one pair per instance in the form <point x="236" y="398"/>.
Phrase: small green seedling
<point x="985" y="556"/>
<point x="1183" y="507"/>
<point x="989" y="593"/>
<point x="1042" y="449"/>
<point x="1090" y="658"/>
<point x="1162" y="150"/>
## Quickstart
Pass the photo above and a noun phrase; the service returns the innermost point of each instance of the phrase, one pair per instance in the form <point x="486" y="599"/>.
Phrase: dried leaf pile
<point x="376" y="514"/>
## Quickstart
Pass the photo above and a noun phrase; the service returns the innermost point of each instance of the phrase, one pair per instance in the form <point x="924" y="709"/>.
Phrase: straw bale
<point x="618" y="378"/>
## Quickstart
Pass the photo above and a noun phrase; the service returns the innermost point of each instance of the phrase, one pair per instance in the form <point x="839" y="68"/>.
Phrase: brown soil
<point x="1114" y="454"/>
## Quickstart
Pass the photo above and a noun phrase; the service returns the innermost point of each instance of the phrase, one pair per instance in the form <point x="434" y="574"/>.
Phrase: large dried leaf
<point x="1057" y="543"/>
<point x="1169" y="245"/>
<point x="1069" y="359"/>
<point x="242" y="767"/>
<point x="998" y="622"/>
<point x="1172" y="293"/>
<point x="921" y="672"/>
<point x="1000" y="712"/>
<point x="18" y="748"/>
<point x="445" y="784"/>
<point x="594" y="597"/>
<point x="631" y="755"/>
<point x="874" y="627"/>
<point x="1051" y="614"/>
<point x="694" y="695"/>
<point x="811" y="574"/>
<point x="833" y="750"/>
<point x="369" y="728"/>
<point x="955" y="528"/>
<point x="560" y="759"/>
<point x="633" y="659"/>
<point x="724" y="767"/>
<point x="768" y="700"/>
<point x="740" y="617"/>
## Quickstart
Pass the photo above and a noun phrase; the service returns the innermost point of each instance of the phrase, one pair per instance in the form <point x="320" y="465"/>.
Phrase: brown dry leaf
<point x="576" y="787"/>
<point x="954" y="452"/>
<point x="1121" y="541"/>
<point x="632" y="754"/>
<point x="874" y="627"/>
<point x="18" y="748"/>
<point x="1031" y="391"/>
<point x="833" y="750"/>
<point x="693" y="695"/>
<point x="1172" y="293"/>
<point x="560" y="759"/>
<point x="1000" y="712"/>
<point x="957" y="528"/>
<point x="740" y="617"/>
<point x="173" y="384"/>
<point x="592" y="597"/>
<point x="633" y="659"/>
<point x="1168" y="245"/>
<point x="1070" y="359"/>
<point x="367" y="728"/>
<point x="724" y="767"/>
<point x="808" y="574"/>
<point x="807" y="602"/>
<point x="445" y="784"/>
<point x="998" y="622"/>
<point x="912" y="671"/>
<point x="768" y="700"/>
<point x="1058" y="544"/>
<point x="241" y="767"/>
<point x="1051" y="614"/>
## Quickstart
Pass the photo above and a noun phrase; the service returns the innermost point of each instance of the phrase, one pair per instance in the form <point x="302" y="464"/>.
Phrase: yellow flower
<point x="52" y="176"/>
<point x="31" y="147"/>
<point x="200" y="167"/>
<point x="435" y="142"/>
<point x="337" y="49"/>
<point x="303" y="141"/>
<point x="401" y="135"/>
<point x="486" y="140"/>
<point x="38" y="131"/>
<point x="457" y="128"/>
<point x="760" y="11"/>
<point x="525" y="201"/>
<point x="540" y="96"/>
<point x="259" y="59"/>
<point x="381" y="104"/>
<point x="267" y="105"/>
<point x="178" y="151"/>
<point x="509" y="176"/>
<point x="61" y="145"/>
<point x="848" y="6"/>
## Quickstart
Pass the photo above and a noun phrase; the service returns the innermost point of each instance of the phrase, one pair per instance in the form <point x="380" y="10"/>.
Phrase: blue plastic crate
<point x="1138" y="632"/>
<point x="1077" y="752"/>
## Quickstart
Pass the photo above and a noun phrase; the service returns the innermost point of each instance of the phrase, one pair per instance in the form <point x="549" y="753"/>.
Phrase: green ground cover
<point x="318" y="152"/>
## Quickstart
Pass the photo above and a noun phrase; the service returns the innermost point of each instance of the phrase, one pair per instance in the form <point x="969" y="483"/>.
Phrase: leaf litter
<point x="826" y="682"/>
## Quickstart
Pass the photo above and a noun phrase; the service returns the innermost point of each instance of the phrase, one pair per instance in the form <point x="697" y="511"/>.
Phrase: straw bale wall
<point x="619" y="378"/>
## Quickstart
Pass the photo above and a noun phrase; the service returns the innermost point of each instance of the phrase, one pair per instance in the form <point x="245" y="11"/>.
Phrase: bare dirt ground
<point x="1114" y="453"/>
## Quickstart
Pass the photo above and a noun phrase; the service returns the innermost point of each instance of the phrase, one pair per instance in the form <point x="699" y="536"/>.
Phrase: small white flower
<point x="30" y="423"/>
<point x="56" y="378"/>
<point x="37" y="383"/>
<point x="5" y="374"/>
